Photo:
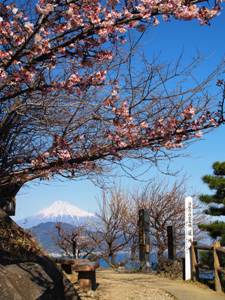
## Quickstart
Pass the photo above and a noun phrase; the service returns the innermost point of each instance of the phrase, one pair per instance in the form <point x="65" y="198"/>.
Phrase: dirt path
<point x="136" y="286"/>
<point x="117" y="286"/>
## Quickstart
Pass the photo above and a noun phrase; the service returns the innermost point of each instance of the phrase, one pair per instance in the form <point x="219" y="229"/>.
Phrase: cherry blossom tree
<point x="63" y="110"/>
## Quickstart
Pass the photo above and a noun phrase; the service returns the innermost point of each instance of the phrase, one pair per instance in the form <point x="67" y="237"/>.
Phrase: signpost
<point x="144" y="241"/>
<point x="171" y="241"/>
<point x="188" y="235"/>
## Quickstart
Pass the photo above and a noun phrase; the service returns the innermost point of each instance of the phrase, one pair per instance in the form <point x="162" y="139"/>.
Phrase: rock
<point x="91" y="294"/>
<point x="28" y="281"/>
<point x="26" y="272"/>
<point x="170" y="268"/>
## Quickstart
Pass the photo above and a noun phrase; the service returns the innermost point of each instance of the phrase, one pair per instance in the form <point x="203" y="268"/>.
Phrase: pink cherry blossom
<point x="198" y="134"/>
<point x="44" y="10"/>
<point x="63" y="52"/>
<point x="3" y="74"/>
<point x="189" y="112"/>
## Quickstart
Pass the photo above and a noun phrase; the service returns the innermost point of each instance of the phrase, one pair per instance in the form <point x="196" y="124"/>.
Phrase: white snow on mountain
<point x="61" y="208"/>
<point x="59" y="211"/>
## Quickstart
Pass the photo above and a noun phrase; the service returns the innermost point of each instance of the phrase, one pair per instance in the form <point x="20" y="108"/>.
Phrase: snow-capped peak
<point x="59" y="211"/>
<point x="62" y="208"/>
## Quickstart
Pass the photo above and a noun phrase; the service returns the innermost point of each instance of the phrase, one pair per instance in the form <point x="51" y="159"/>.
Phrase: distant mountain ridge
<point x="47" y="236"/>
<point x="59" y="211"/>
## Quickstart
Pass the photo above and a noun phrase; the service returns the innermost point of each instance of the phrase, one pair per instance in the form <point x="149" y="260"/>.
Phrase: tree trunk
<point x="113" y="260"/>
<point x="160" y="253"/>
<point x="8" y="197"/>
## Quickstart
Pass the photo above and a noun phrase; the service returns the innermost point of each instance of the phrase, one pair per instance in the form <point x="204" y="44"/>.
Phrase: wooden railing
<point x="218" y="270"/>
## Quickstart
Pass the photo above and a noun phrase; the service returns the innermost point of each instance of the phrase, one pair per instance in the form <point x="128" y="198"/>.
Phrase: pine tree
<point x="216" y="201"/>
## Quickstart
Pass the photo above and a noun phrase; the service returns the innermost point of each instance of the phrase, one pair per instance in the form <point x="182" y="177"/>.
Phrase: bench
<point x="85" y="269"/>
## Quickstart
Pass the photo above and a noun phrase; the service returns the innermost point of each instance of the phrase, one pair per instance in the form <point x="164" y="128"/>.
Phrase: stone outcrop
<point x="26" y="272"/>
<point x="170" y="268"/>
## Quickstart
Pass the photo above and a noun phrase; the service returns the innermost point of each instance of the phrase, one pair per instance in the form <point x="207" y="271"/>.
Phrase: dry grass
<point x="16" y="244"/>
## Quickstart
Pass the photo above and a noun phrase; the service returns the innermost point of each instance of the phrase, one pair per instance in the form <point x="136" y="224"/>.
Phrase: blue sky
<point x="170" y="39"/>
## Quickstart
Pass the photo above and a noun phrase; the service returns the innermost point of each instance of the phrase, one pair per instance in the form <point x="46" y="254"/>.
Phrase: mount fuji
<point x="59" y="211"/>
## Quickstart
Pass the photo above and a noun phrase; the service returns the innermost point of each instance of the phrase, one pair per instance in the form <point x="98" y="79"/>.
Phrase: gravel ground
<point x="117" y="286"/>
<point x="138" y="286"/>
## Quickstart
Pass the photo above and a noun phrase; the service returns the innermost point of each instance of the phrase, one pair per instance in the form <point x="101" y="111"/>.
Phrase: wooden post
<point x="171" y="241"/>
<point x="183" y="267"/>
<point x="87" y="280"/>
<point x="197" y="261"/>
<point x="144" y="241"/>
<point x="194" y="261"/>
<point x="218" y="286"/>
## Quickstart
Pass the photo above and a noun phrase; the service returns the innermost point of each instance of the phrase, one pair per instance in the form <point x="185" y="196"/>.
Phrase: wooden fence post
<point x="218" y="286"/>
<point x="194" y="261"/>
